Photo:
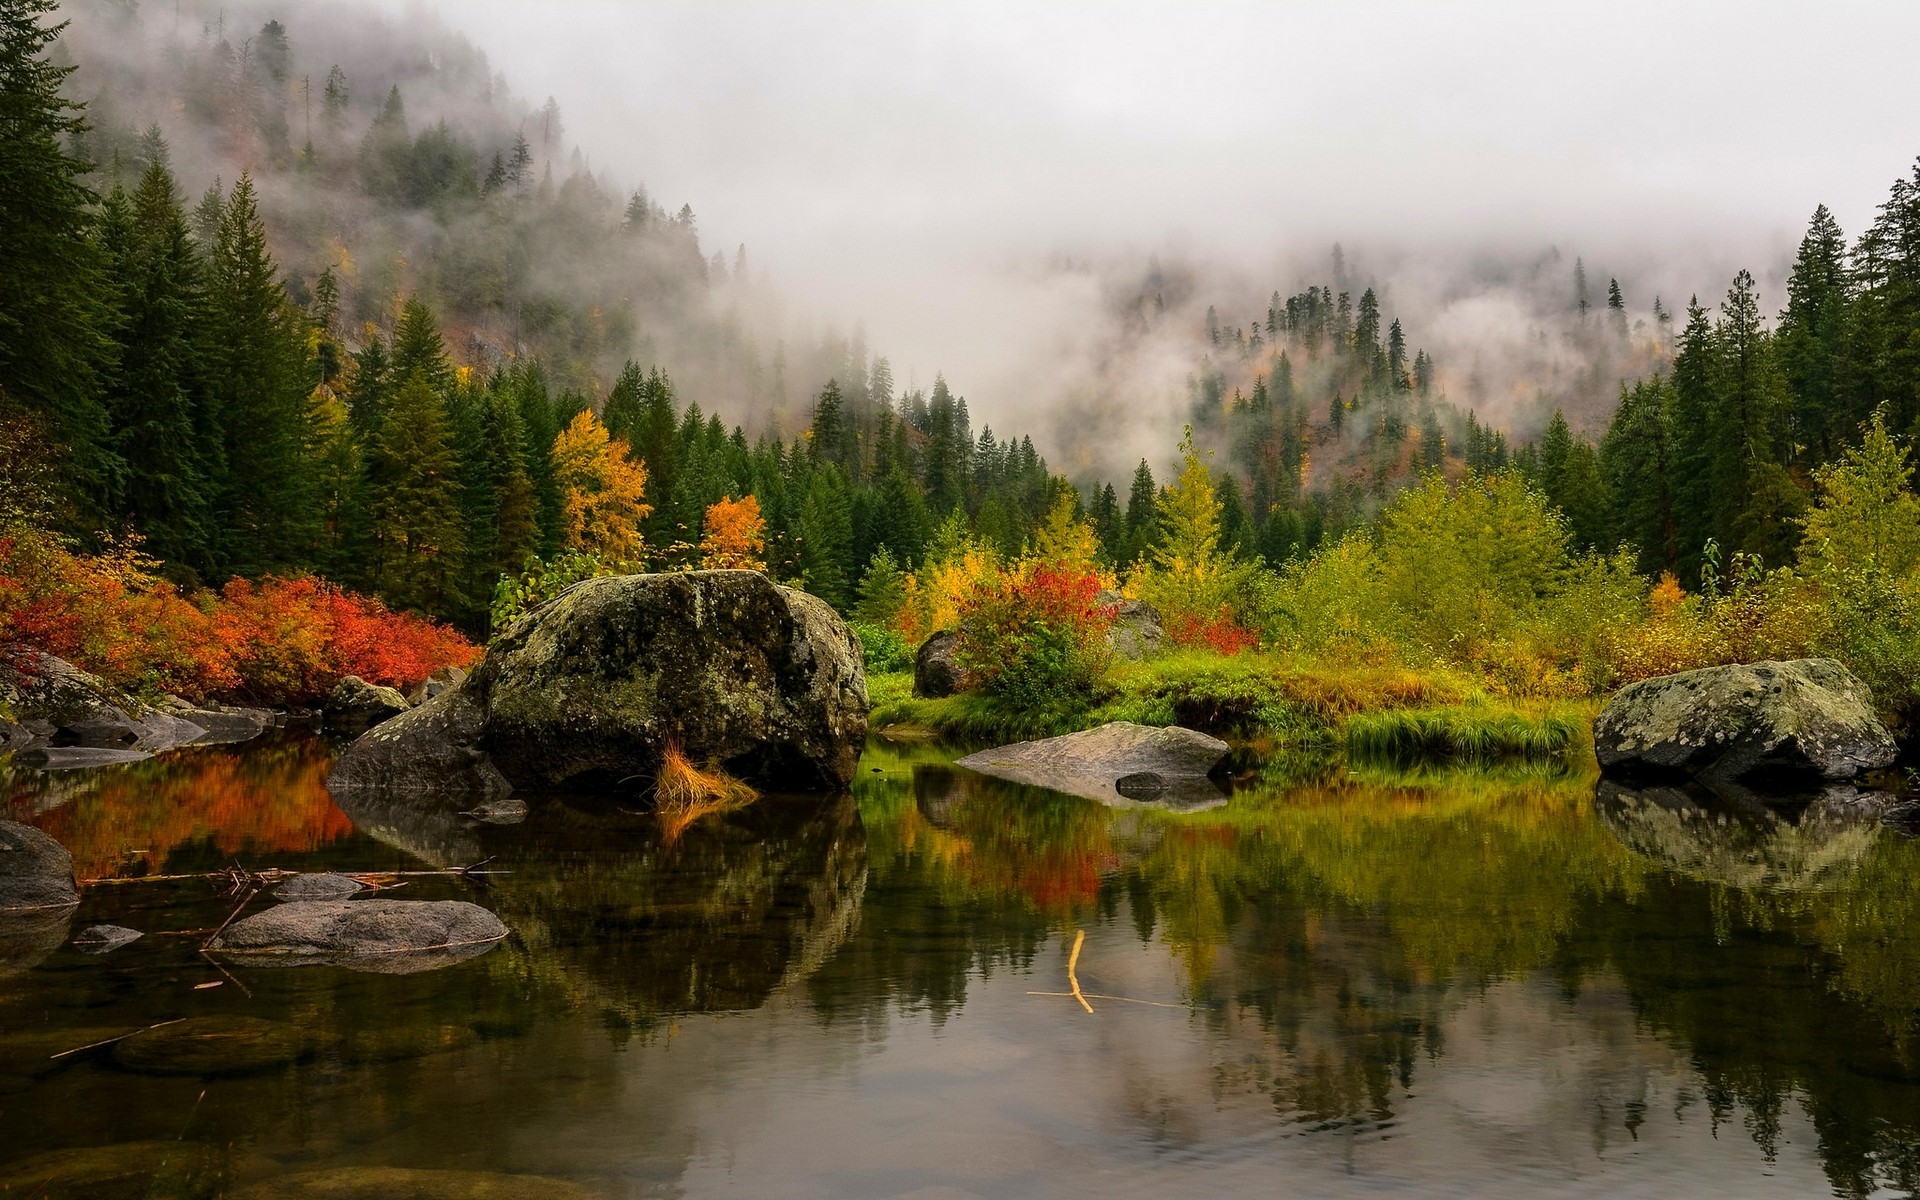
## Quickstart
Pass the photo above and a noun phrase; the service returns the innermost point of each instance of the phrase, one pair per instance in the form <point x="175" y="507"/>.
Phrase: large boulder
<point x="1121" y="764"/>
<point x="355" y="706"/>
<point x="935" y="673"/>
<point x="1769" y="724"/>
<point x="1136" y="631"/>
<point x="586" y="692"/>
<point x="35" y="871"/>
<point x="386" y="936"/>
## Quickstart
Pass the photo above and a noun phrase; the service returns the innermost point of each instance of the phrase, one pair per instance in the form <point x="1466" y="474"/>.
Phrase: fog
<point x="963" y="177"/>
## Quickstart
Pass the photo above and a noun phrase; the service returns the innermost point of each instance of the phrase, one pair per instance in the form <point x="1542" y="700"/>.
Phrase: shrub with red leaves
<point x="1034" y="637"/>
<point x="1219" y="633"/>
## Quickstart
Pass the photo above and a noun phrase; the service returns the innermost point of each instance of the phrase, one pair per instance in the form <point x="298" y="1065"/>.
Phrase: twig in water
<point x="1073" y="961"/>
<point x="110" y="1041"/>
<point x="248" y="899"/>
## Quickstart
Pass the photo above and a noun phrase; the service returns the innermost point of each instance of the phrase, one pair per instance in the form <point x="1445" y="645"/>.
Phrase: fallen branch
<point x="278" y="874"/>
<point x="110" y="1041"/>
<point x="1073" y="961"/>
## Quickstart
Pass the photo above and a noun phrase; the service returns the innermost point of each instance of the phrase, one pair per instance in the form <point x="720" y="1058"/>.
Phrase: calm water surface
<point x="1467" y="985"/>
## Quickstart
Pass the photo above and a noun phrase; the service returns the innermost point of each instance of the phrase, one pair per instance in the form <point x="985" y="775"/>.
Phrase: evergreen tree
<point x="1637" y="461"/>
<point x="414" y="504"/>
<point x="1143" y="515"/>
<point x="267" y="507"/>
<point x="826" y="537"/>
<point x="54" y="322"/>
<point x="1812" y="342"/>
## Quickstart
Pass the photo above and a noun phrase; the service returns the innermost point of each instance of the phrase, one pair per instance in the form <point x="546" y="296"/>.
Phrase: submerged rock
<point x="935" y="674"/>
<point x="1119" y="764"/>
<point x="401" y="1183"/>
<point x="322" y="885"/>
<point x="104" y="939"/>
<point x="1770" y="724"/>
<point x="587" y="691"/>
<point x="174" y="1169"/>
<point x="355" y="706"/>
<point x="36" y="872"/>
<point x="221" y="724"/>
<point x="1136" y="631"/>
<point x="394" y="937"/>
<point x="209" y="1046"/>
<point x="508" y="811"/>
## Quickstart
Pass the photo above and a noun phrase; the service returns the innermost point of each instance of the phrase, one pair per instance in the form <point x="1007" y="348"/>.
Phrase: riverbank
<point x="1380" y="714"/>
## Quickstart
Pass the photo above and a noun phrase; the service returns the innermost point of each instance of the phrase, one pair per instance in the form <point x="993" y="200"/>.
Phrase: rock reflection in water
<point x="1743" y="840"/>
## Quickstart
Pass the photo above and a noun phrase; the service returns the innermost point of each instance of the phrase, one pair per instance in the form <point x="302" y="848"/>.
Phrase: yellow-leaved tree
<point x="1189" y="574"/>
<point x="734" y="537"/>
<point x="602" y="489"/>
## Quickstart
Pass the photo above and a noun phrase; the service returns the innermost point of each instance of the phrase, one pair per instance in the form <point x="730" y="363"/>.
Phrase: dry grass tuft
<point x="683" y="793"/>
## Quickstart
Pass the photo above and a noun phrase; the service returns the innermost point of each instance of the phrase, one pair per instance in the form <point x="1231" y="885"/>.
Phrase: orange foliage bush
<point x="1034" y="636"/>
<point x="278" y="641"/>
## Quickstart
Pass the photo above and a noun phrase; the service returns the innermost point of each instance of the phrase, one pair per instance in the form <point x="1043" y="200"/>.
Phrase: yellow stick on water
<point x="1073" y="977"/>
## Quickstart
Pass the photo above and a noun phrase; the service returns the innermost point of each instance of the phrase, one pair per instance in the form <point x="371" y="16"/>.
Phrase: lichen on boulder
<point x="1768" y="724"/>
<point x="586" y="692"/>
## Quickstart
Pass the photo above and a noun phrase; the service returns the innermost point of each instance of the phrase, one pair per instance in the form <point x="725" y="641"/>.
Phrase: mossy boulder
<point x="395" y="937"/>
<point x="1767" y="724"/>
<point x="355" y="706"/>
<point x="586" y="692"/>
<point x="935" y="673"/>
<point x="36" y="872"/>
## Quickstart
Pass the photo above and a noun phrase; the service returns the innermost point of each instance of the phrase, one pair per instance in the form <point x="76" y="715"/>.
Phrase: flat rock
<point x="401" y="1183"/>
<point x="318" y="886"/>
<point x="1121" y="764"/>
<point x="36" y="872"/>
<point x="385" y="936"/>
<point x="211" y="1046"/>
<point x="104" y="939"/>
<point x="70" y="758"/>
<point x="1767" y="724"/>
<point x="133" y="1170"/>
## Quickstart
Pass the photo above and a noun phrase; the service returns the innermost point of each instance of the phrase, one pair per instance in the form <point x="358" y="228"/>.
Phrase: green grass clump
<point x="1468" y="734"/>
<point x="967" y="717"/>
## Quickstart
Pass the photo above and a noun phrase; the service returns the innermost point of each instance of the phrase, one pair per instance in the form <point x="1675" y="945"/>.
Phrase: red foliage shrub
<point x="278" y="641"/>
<point x="1034" y="636"/>
<point x="1219" y="633"/>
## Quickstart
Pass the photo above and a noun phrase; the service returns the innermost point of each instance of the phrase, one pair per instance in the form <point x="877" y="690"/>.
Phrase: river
<point x="1459" y="984"/>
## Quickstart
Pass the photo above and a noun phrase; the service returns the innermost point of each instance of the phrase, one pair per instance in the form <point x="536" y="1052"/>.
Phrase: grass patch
<point x="1465" y="734"/>
<point x="683" y="793"/>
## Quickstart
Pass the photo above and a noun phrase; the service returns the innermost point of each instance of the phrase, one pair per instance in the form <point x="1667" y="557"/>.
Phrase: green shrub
<point x="885" y="650"/>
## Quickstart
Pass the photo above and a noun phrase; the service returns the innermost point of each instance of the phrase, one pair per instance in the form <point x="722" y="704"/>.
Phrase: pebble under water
<point x="1457" y="984"/>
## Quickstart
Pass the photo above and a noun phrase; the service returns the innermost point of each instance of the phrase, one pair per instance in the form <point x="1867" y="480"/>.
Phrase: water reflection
<point x="1476" y="983"/>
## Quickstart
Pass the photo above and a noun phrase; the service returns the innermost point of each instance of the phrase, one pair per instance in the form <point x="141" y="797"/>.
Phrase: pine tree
<point x="267" y="508"/>
<point x="1812" y="342"/>
<point x="826" y="537"/>
<point x="417" y="348"/>
<point x="53" y="320"/>
<point x="1694" y="408"/>
<point x="1143" y="515"/>
<point x="1637" y="461"/>
<point x="413" y="502"/>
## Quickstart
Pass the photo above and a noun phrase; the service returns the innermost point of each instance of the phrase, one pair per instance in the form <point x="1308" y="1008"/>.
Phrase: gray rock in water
<point x="104" y="939"/>
<point x="935" y="674"/>
<point x="355" y="706"/>
<point x="1136" y="631"/>
<point x="68" y="758"/>
<point x="35" y="871"/>
<point x="1766" y="724"/>
<point x="318" y="886"/>
<point x="587" y="691"/>
<point x="1168" y="766"/>
<point x="224" y="724"/>
<point x="14" y="737"/>
<point x="442" y="679"/>
<point x="509" y="811"/>
<point x="386" y="936"/>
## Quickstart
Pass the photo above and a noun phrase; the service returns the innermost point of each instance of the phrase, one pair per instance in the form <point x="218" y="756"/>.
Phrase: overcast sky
<point x="920" y="166"/>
